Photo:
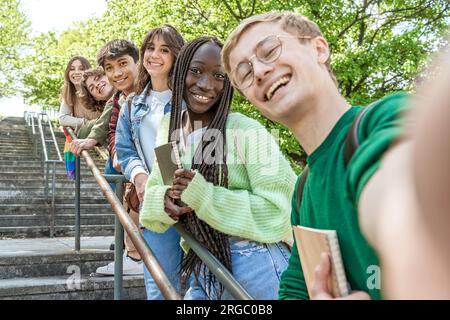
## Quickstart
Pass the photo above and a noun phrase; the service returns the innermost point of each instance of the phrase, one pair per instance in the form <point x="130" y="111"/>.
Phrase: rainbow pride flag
<point x="69" y="157"/>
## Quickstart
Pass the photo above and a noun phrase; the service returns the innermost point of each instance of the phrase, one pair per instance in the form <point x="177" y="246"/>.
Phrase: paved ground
<point x="39" y="246"/>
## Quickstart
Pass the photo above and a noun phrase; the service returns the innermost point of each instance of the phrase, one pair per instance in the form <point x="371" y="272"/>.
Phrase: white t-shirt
<point x="149" y="126"/>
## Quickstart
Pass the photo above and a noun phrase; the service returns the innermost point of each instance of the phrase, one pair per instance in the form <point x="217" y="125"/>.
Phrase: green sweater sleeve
<point x="100" y="128"/>
<point x="86" y="129"/>
<point x="259" y="212"/>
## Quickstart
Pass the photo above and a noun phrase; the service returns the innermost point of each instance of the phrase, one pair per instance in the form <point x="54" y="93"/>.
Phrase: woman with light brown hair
<point x="73" y="113"/>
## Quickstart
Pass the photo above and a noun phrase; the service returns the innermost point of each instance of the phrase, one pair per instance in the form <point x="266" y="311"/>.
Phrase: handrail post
<point x="118" y="249"/>
<point x="32" y="119"/>
<point x="35" y="142"/>
<point x="53" y="217"/>
<point x="47" y="170"/>
<point x="77" y="204"/>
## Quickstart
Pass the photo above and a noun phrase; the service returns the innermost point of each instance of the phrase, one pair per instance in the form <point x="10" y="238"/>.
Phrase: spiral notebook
<point x="310" y="244"/>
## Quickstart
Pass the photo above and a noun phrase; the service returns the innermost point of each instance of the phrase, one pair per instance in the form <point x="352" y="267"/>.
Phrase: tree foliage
<point x="378" y="46"/>
<point x="14" y="29"/>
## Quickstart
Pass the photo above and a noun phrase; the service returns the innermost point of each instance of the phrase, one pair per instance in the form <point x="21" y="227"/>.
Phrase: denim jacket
<point x="129" y="150"/>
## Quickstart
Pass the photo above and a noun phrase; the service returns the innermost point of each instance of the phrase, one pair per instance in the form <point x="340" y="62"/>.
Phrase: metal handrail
<point x="213" y="264"/>
<point x="217" y="268"/>
<point x="55" y="142"/>
<point x="150" y="261"/>
<point x="29" y="118"/>
<point x="46" y="162"/>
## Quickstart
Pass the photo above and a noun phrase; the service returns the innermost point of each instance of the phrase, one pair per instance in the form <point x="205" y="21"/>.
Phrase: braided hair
<point x="216" y="172"/>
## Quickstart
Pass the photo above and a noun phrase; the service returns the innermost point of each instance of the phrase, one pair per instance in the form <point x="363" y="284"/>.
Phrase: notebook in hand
<point x="168" y="159"/>
<point x="310" y="244"/>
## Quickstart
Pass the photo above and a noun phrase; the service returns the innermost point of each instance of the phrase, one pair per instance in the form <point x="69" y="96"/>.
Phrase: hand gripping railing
<point x="133" y="231"/>
<point x="37" y="119"/>
<point x="123" y="219"/>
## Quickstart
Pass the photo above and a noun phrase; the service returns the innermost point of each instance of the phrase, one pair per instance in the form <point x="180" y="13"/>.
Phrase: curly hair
<point x="86" y="98"/>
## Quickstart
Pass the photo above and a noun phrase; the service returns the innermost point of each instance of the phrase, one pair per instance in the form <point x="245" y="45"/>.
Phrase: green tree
<point x="14" y="29"/>
<point x="377" y="46"/>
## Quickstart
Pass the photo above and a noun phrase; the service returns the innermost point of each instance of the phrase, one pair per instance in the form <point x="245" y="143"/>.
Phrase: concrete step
<point x="44" y="208"/>
<point x="38" y="181"/>
<point x="13" y="120"/>
<point x="8" y="131"/>
<point x="57" y="288"/>
<point x="13" y="155"/>
<point x="28" y="178"/>
<point x="86" y="199"/>
<point x="6" y="159"/>
<point x="16" y="144"/>
<point x="60" y="220"/>
<point x="61" y="173"/>
<point x="29" y="149"/>
<point x="26" y="265"/>
<point x="4" y="163"/>
<point x="36" y="173"/>
<point x="36" y="166"/>
<point x="24" y="192"/>
<point x="11" y="135"/>
<point x="36" y="269"/>
<point x="60" y="231"/>
<point x="11" y="158"/>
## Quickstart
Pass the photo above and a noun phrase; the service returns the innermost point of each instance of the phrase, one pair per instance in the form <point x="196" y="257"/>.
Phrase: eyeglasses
<point x="267" y="51"/>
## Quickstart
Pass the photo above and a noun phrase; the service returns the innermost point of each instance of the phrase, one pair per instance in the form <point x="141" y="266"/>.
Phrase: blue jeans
<point x="256" y="266"/>
<point x="166" y="248"/>
<point x="109" y="169"/>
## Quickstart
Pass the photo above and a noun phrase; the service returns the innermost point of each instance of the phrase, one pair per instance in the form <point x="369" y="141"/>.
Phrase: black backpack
<point x="350" y="145"/>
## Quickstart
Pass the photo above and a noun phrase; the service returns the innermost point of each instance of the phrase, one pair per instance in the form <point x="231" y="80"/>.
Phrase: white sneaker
<point x="130" y="267"/>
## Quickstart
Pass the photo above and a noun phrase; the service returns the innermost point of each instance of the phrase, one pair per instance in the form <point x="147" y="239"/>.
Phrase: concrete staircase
<point x="48" y="269"/>
<point x="24" y="211"/>
<point x="33" y="266"/>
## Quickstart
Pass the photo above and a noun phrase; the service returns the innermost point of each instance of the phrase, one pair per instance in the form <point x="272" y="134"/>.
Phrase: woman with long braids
<point x="235" y="184"/>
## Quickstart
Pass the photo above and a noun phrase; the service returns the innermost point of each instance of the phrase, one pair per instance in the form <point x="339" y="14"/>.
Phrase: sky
<point x="51" y="15"/>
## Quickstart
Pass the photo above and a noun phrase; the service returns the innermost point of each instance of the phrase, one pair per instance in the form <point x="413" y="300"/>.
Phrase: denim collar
<point x="141" y="98"/>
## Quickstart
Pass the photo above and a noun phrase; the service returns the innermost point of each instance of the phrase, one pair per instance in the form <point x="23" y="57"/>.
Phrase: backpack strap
<point x="301" y="186"/>
<point x="351" y="140"/>
<point x="350" y="145"/>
